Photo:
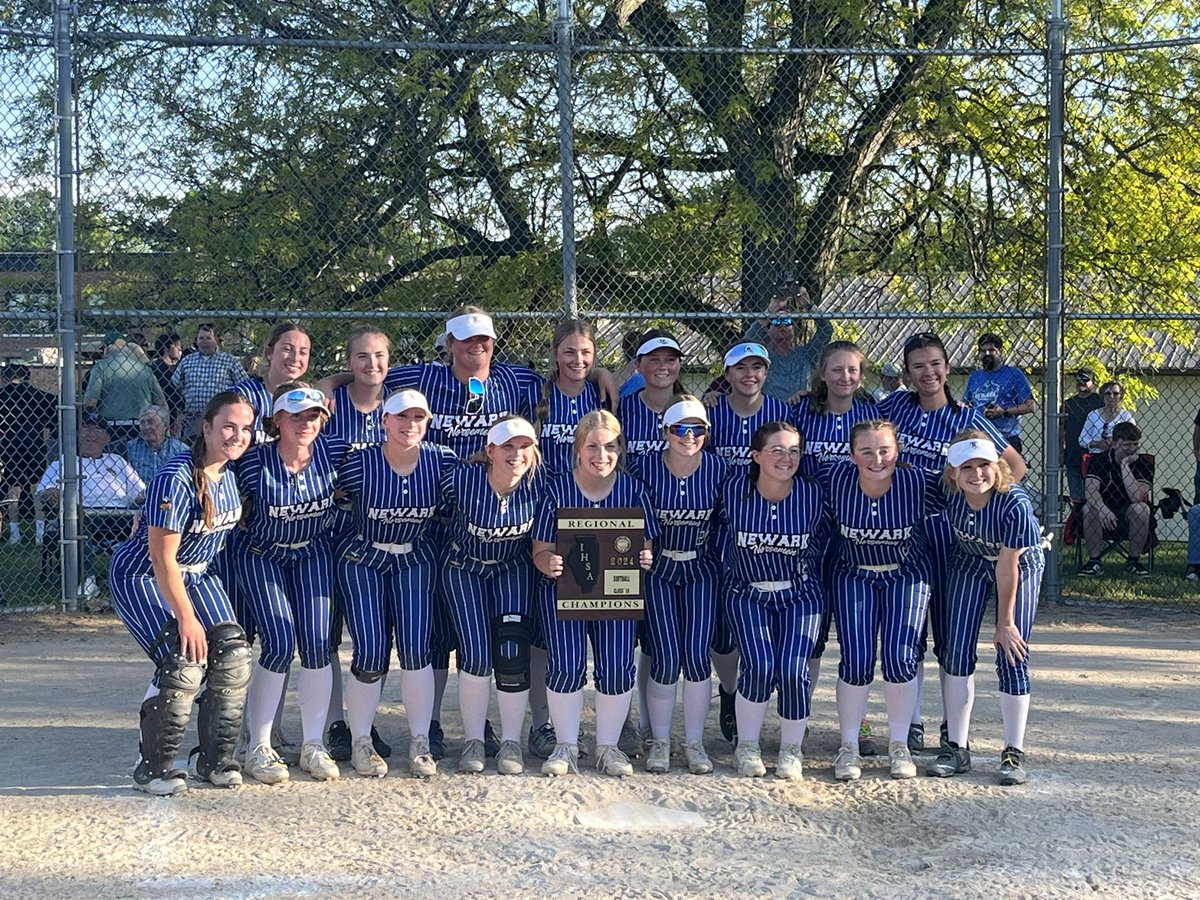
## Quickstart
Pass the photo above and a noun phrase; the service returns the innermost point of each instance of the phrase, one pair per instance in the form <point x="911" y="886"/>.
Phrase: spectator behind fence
<point x="109" y="489"/>
<point x="628" y="376"/>
<point x="168" y="349"/>
<point x="889" y="381"/>
<point x="1076" y="409"/>
<point x="27" y="418"/>
<point x="791" y="362"/>
<point x="1193" y="513"/>
<point x="1117" y="490"/>
<point x="1001" y="392"/>
<point x="202" y="375"/>
<point x="154" y="447"/>
<point x="120" y="386"/>
<point x="1098" y="427"/>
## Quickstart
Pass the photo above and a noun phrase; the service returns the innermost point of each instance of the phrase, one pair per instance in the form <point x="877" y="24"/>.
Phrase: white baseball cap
<point x="658" y="343"/>
<point x="891" y="370"/>
<point x="684" y="409"/>
<point x="298" y="400"/>
<point x="972" y="448"/>
<point x="738" y="352"/>
<point x="507" y="429"/>
<point x="408" y="398"/>
<point x="470" y="325"/>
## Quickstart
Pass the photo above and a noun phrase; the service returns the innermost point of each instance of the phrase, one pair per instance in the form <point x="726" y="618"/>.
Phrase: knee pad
<point x="510" y="652"/>
<point x="366" y="677"/>
<point x="229" y="655"/>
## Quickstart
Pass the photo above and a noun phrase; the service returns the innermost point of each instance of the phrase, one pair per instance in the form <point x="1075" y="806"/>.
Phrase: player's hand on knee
<point x="1008" y="641"/>
<point x="193" y="642"/>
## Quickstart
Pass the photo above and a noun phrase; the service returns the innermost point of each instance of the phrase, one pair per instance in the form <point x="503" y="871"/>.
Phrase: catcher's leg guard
<point x="223" y="702"/>
<point x="164" y="718"/>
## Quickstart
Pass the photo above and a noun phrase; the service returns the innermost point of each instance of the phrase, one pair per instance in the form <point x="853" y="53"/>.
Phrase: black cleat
<point x="916" y="738"/>
<point x="952" y="760"/>
<point x="437" y="740"/>
<point x="339" y="741"/>
<point x="728" y="716"/>
<point x="382" y="747"/>
<point x="491" y="743"/>
<point x="1012" y="769"/>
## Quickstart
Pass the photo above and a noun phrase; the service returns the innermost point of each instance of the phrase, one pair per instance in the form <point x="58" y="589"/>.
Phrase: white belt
<point x="679" y="555"/>
<point x="194" y="568"/>
<point x="771" y="586"/>
<point x="992" y="558"/>
<point x="889" y="567"/>
<point x="395" y="549"/>
<point x="297" y="546"/>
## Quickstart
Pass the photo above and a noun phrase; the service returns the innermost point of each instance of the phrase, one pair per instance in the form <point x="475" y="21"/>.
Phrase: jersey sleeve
<point x="170" y="501"/>
<point x="529" y="388"/>
<point x="247" y="470"/>
<point x="448" y="489"/>
<point x="935" y="492"/>
<point x="1019" y="526"/>
<point x="545" y="520"/>
<point x="402" y="377"/>
<point x="350" y="472"/>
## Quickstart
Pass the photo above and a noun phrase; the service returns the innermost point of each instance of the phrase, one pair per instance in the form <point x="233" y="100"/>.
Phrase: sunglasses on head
<point x="687" y="430"/>
<point x="478" y="392"/>
<point x="782" y="320"/>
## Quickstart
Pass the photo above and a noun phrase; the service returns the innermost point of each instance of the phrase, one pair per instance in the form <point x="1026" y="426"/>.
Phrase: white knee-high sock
<point x="611" y="711"/>
<point x="851" y="707"/>
<point x="262" y="700"/>
<point x="512" y="713"/>
<point x="361" y="702"/>
<point x="791" y="732"/>
<point x="314" y="686"/>
<point x="749" y="719"/>
<point x="920" y="679"/>
<point x="417" y="685"/>
<point x="1014" y="709"/>
<point x="538" y="709"/>
<point x="337" y="707"/>
<point x="474" y="694"/>
<point x="565" y="712"/>
<point x="661" y="700"/>
<point x="899" y="699"/>
<point x="643" y="679"/>
<point x="959" y="694"/>
<point x="440" y="677"/>
<point x="697" y="698"/>
<point x="726" y="666"/>
<point x="814" y="672"/>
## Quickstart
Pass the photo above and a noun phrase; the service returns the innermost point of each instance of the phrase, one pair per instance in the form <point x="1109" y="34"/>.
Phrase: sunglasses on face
<point x="781" y="320"/>
<point x="478" y="392"/>
<point x="683" y="431"/>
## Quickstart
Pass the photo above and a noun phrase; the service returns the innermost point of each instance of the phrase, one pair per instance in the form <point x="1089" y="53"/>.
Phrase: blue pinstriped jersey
<point x="255" y="390"/>
<point x="687" y="508"/>
<point x="562" y="493"/>
<point x="289" y="507"/>
<point x="1008" y="520"/>
<point x="557" y="432"/>
<point x="925" y="436"/>
<point x="730" y="434"/>
<point x="642" y="427"/>
<point x="827" y="434"/>
<point x="483" y="525"/>
<point x="773" y="541"/>
<point x="390" y="508"/>
<point x="172" y="504"/>
<point x="886" y="530"/>
<point x="509" y="390"/>
<point x="358" y="429"/>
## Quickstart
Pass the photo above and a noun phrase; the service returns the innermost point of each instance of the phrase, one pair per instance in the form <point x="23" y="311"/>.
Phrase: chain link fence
<point x="640" y="165"/>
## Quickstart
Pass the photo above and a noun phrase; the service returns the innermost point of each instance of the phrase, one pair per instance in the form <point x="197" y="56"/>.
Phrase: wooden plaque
<point x="601" y="577"/>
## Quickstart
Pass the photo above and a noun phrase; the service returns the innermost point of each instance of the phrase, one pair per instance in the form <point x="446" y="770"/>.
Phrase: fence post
<point x="565" y="35"/>
<point x="65" y="258"/>
<point x="1051" y="509"/>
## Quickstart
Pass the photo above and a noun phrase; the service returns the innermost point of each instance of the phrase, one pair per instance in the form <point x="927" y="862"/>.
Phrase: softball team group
<point x="414" y="509"/>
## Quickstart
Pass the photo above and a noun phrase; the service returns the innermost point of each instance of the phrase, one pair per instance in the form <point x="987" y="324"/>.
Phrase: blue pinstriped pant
<point x="477" y="594"/>
<point x="288" y="595"/>
<point x="775" y="634"/>
<point x="723" y="640"/>
<point x="971" y="580"/>
<point x="141" y="607"/>
<point x="612" y="642"/>
<point x="941" y="548"/>
<point x="890" y="605"/>
<point x="681" y="608"/>
<point x="224" y="567"/>
<point x="387" y="602"/>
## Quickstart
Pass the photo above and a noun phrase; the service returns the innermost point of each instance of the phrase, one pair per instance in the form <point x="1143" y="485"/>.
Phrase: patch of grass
<point x="1165" y="587"/>
<point x="19" y="582"/>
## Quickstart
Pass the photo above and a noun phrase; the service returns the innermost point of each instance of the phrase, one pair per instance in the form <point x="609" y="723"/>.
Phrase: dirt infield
<point x="1111" y="808"/>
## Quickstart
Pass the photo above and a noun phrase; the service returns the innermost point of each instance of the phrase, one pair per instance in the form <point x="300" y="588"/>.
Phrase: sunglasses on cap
<point x="688" y="430"/>
<point x="782" y="320"/>
<point x="477" y="391"/>
<point x="299" y="395"/>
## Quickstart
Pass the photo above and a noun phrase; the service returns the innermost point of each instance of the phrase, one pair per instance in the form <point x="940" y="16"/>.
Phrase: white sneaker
<point x="902" y="761"/>
<point x="365" y="760"/>
<point x="658" y="760"/>
<point x="474" y="757"/>
<point x="848" y="765"/>
<point x="230" y="777"/>
<point x="174" y="782"/>
<point x="316" y="761"/>
<point x="509" y="759"/>
<point x="564" y="760"/>
<point x="89" y="589"/>
<point x="611" y="760"/>
<point x="421" y="763"/>
<point x="697" y="759"/>
<point x="748" y="761"/>
<point x="264" y="765"/>
<point x="790" y="764"/>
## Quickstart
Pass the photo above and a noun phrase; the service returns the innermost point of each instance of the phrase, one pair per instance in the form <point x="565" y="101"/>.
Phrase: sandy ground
<point x="1110" y="810"/>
